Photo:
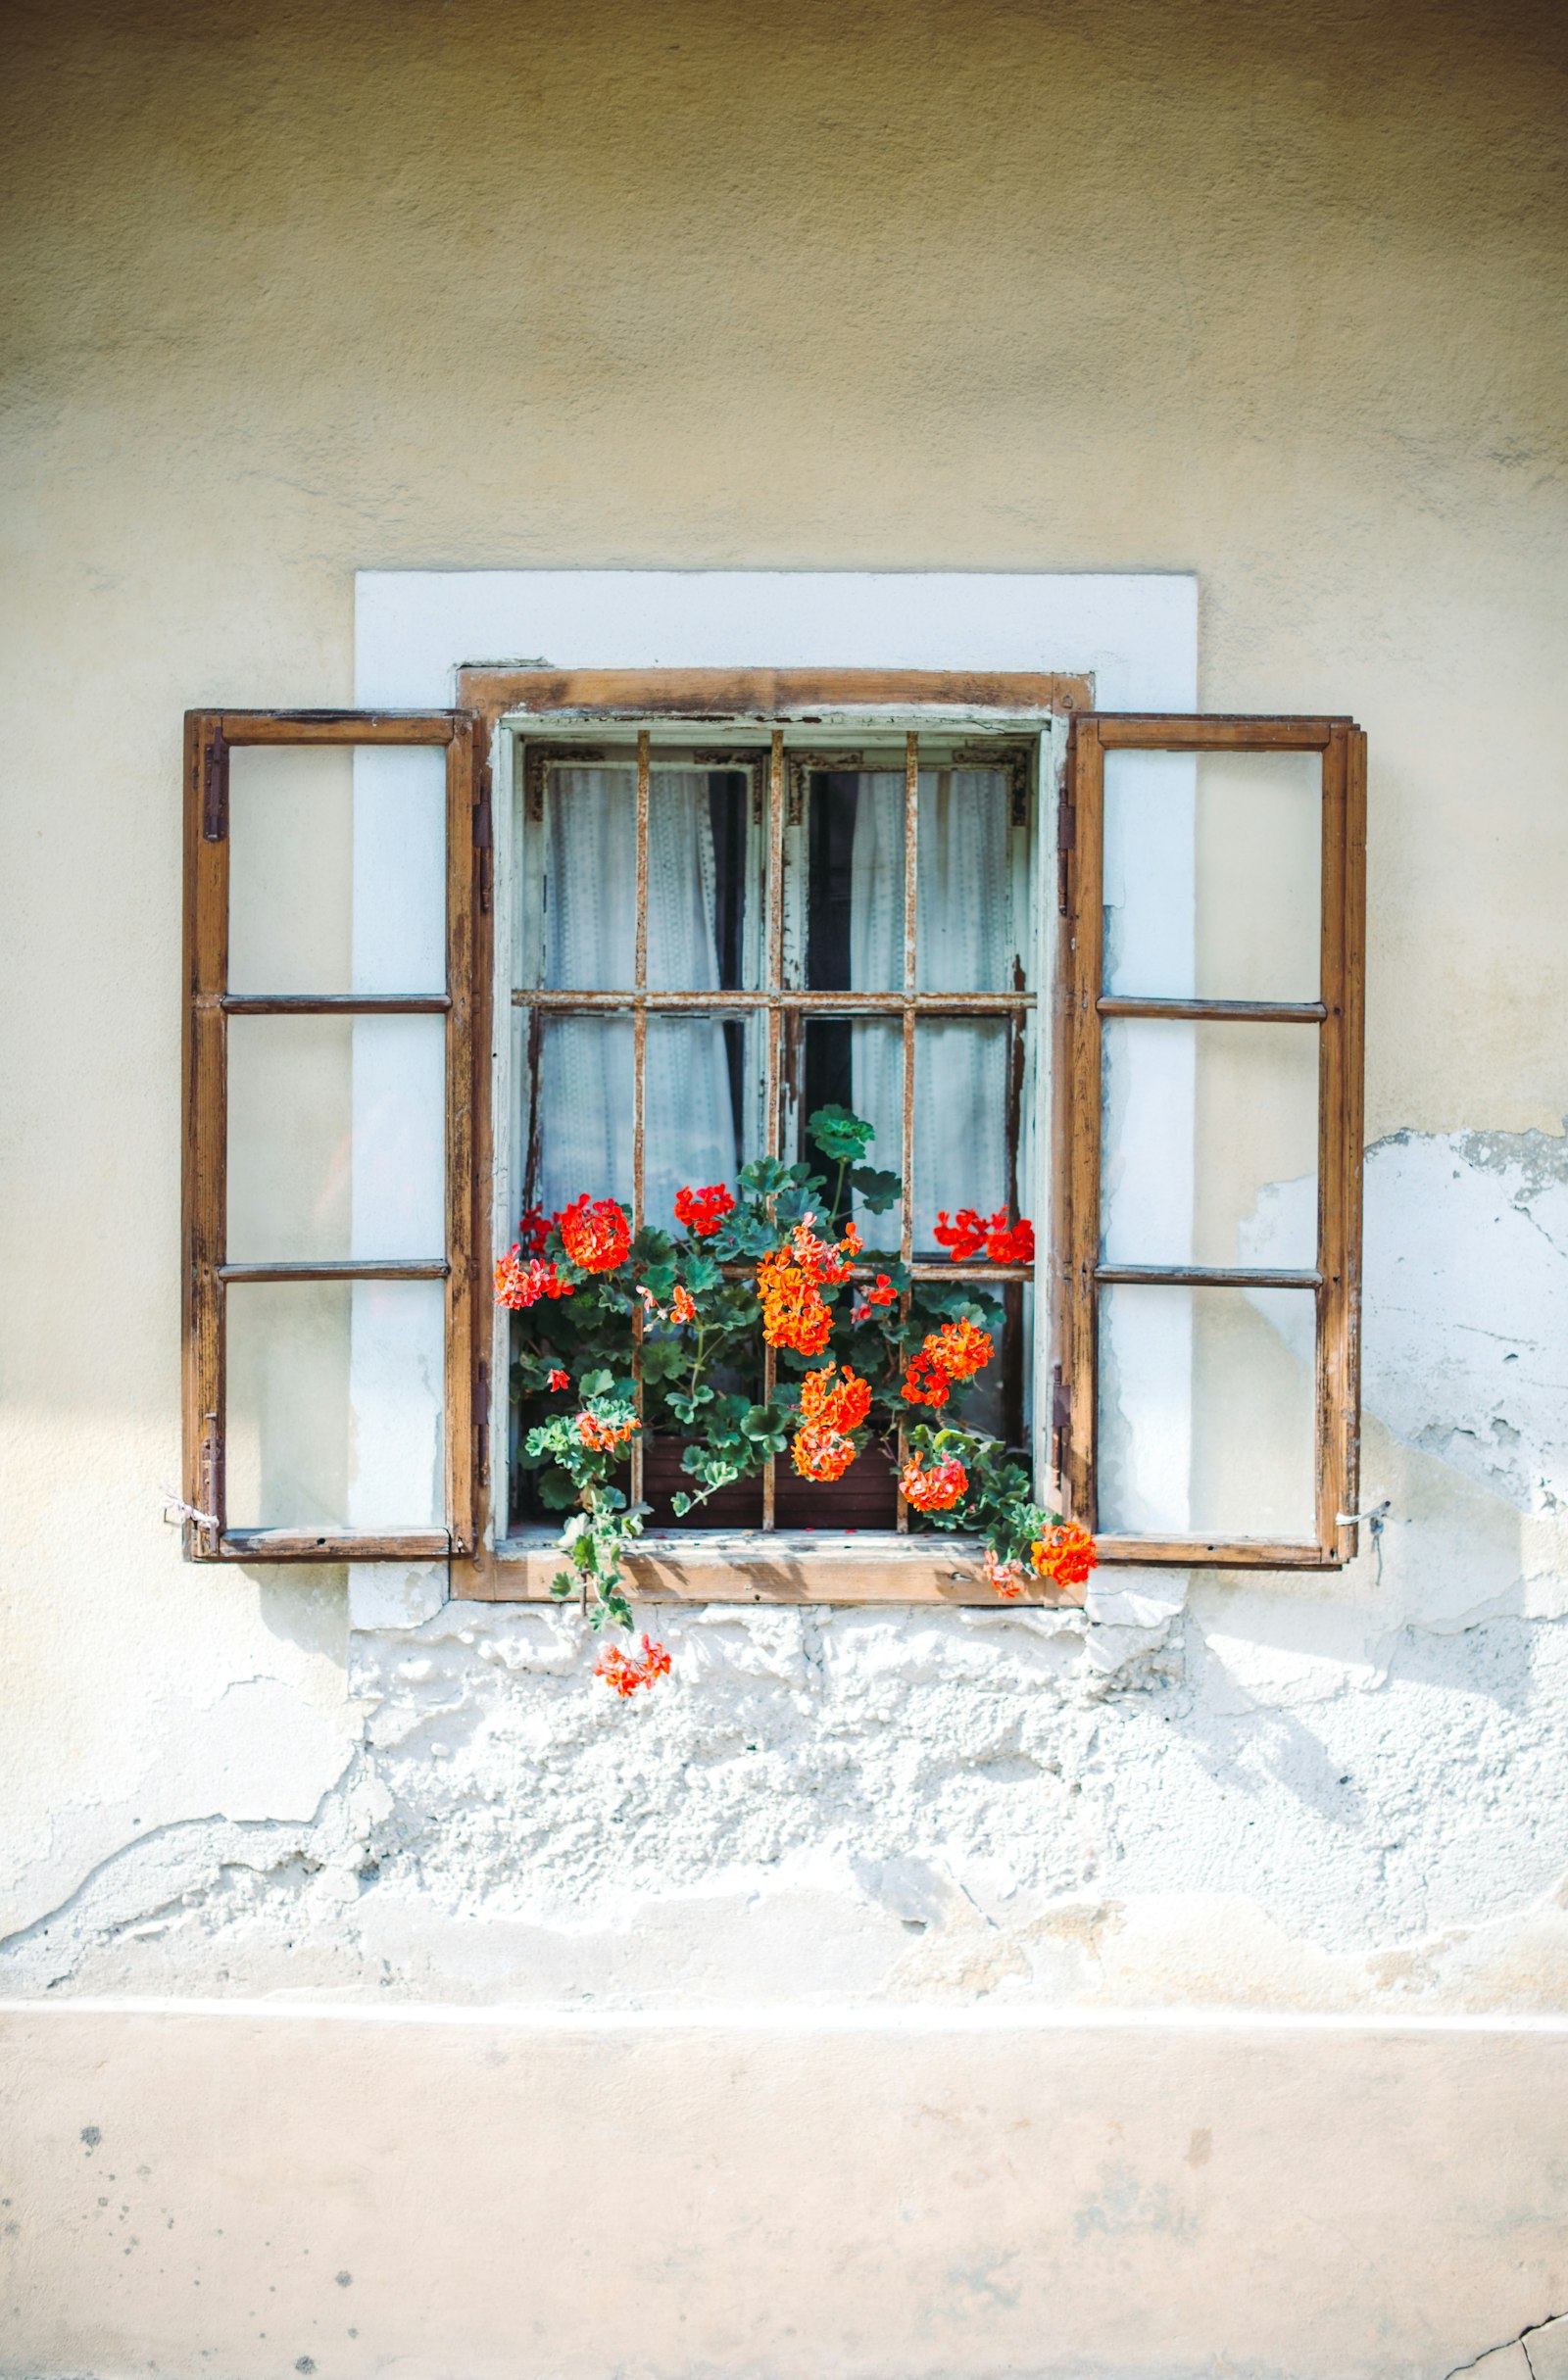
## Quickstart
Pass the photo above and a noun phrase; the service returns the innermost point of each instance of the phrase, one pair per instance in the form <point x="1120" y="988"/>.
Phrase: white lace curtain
<point x="969" y="932"/>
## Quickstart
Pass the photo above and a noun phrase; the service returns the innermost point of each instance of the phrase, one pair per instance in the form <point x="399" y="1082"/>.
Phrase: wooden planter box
<point x="866" y="1497"/>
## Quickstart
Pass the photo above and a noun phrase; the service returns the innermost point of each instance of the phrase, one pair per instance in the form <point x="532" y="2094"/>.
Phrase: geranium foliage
<point x="861" y="1347"/>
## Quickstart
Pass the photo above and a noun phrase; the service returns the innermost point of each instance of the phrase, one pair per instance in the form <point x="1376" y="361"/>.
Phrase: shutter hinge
<point x="483" y="836"/>
<point x="481" y="1416"/>
<point x="215" y="788"/>
<point x="1066" y="837"/>
<point x="1060" y="1416"/>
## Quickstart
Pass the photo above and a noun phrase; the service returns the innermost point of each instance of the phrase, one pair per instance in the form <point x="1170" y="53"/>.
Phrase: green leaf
<point x="597" y="1384"/>
<point x="763" y="1176"/>
<point x="839" y="1134"/>
<point x="680" y="1502"/>
<point x="558" y="1489"/>
<point x="879" y="1189"/>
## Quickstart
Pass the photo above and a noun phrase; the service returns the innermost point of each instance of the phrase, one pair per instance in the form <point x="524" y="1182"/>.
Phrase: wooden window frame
<point x="799" y="1567"/>
<point x="209" y="736"/>
<point x="1337" y="1016"/>
<point x="712" y="1566"/>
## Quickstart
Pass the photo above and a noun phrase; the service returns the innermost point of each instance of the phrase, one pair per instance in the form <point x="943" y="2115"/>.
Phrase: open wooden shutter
<point x="1209" y="1059"/>
<point x="329" y="1190"/>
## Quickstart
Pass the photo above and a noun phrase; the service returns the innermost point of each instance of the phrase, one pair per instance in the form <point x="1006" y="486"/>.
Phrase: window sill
<point x="789" y="1566"/>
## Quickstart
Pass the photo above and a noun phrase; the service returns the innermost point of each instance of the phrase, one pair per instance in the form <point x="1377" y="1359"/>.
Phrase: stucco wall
<point x="1274" y="297"/>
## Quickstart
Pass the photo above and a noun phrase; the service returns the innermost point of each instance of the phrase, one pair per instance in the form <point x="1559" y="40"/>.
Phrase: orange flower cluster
<point x="521" y="1285"/>
<point x="937" y="1489"/>
<point x="603" y="1438"/>
<point x="1067" y="1554"/>
<point x="683" y="1305"/>
<point x="821" y="1454"/>
<point x="956" y="1351"/>
<point x="830" y="1403"/>
<point x="702" y="1210"/>
<point x="626" y="1673"/>
<point x="968" y="1232"/>
<point x="1006" y="1577"/>
<point x="595" y="1233"/>
<point x="830" y="1408"/>
<point x="790" y="1284"/>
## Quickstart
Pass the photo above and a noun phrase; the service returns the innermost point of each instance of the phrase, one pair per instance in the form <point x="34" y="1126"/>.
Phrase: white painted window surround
<point x="1135" y="634"/>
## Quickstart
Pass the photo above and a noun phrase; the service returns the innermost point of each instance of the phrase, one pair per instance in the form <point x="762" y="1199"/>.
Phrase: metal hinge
<point x="481" y="1418"/>
<point x="1061" y="1417"/>
<point x="483" y="836"/>
<point x="215" y="788"/>
<point x="1066" y="837"/>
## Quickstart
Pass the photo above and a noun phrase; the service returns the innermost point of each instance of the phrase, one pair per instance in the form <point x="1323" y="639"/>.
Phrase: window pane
<point x="336" y="1137"/>
<point x="703" y="1106"/>
<point x="705" y="917"/>
<point x="968" y="1082"/>
<point x="587" y="920"/>
<point x="842" y="1063"/>
<point x="577" y="928"/>
<point x="1211" y="1143"/>
<point x="334" y="1404"/>
<point x="973" y="863"/>
<point x="853" y="930"/>
<point x="1211" y="874"/>
<point x="338" y="868"/>
<point x="1207" y="1412"/>
<point x="575" y="1095"/>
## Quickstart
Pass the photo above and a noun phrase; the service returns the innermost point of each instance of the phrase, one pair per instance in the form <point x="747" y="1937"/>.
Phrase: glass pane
<point x="336" y="1137"/>
<point x="703" y="1106"/>
<point x="1211" y="1143"/>
<point x="968" y="1096"/>
<point x="575" y="1095"/>
<point x="974" y="865"/>
<point x="853" y="932"/>
<point x="336" y="1402"/>
<point x="1207" y="1412"/>
<point x="589" y="885"/>
<point x="843" y="1063"/>
<point x="1211" y="874"/>
<point x="704" y="918"/>
<point x="338" y="868"/>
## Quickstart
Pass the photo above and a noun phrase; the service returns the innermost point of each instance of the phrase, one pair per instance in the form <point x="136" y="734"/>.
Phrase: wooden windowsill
<point x="785" y="1566"/>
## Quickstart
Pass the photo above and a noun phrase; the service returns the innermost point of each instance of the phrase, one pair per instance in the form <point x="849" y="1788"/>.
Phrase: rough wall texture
<point x="1274" y="298"/>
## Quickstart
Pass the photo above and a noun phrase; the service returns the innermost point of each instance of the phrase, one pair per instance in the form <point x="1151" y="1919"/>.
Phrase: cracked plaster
<point x="1324" y="1793"/>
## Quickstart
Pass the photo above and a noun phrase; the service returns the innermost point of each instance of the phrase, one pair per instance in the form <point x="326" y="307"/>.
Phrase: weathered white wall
<point x="1270" y="300"/>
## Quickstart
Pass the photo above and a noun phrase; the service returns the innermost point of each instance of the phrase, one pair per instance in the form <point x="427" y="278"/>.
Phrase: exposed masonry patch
<point x="1265" y="1791"/>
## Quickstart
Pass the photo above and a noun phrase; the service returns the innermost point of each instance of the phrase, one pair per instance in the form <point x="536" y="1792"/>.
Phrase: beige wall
<point x="1274" y="296"/>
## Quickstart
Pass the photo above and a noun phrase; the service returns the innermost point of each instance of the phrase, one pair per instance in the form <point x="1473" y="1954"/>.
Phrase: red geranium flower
<point x="821" y="1454"/>
<point x="558" y="1379"/>
<point x="626" y="1673"/>
<point x="968" y="1232"/>
<point x="937" y="1489"/>
<point x="519" y="1285"/>
<point x="702" y="1210"/>
<point x="880" y="1294"/>
<point x="1067" y="1554"/>
<point x="829" y="1403"/>
<point x="963" y="1236"/>
<point x="925" y="1382"/>
<point x="595" y="1233"/>
<point x="533" y="1230"/>
<point x="604" y="1437"/>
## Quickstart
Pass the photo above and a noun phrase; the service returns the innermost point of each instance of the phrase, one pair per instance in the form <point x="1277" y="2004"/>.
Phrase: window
<point x="614" y="935"/>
